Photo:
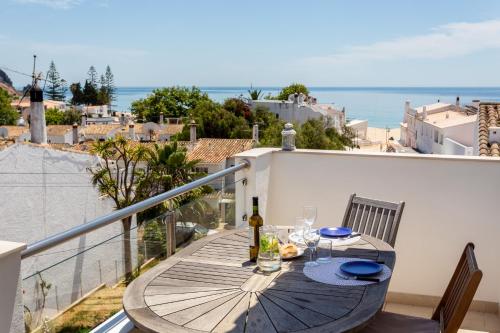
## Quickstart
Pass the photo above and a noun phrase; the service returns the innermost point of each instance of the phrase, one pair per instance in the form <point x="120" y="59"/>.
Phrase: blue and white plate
<point x="335" y="232"/>
<point x="361" y="268"/>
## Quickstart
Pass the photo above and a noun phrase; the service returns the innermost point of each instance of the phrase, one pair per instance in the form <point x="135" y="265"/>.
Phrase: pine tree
<point x="56" y="87"/>
<point x="92" y="76"/>
<point x="102" y="95"/>
<point x="89" y="94"/>
<point x="76" y="91"/>
<point x="110" y="86"/>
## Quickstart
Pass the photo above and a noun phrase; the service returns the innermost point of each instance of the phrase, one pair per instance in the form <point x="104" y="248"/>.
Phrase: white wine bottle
<point x="254" y="223"/>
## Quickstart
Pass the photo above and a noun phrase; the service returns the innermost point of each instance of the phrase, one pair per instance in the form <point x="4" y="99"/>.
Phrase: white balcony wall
<point x="450" y="201"/>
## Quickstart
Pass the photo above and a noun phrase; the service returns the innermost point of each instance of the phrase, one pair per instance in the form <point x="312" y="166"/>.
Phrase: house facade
<point x="439" y="128"/>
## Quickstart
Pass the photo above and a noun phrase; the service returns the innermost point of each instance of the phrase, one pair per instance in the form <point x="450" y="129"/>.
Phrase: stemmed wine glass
<point x="309" y="213"/>
<point x="311" y="239"/>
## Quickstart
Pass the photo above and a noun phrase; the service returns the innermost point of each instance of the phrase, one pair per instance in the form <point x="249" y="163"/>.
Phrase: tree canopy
<point x="213" y="121"/>
<point x="292" y="89"/>
<point x="94" y="91"/>
<point x="314" y="134"/>
<point x="89" y="94"/>
<point x="172" y="101"/>
<point x="77" y="92"/>
<point x="8" y="115"/>
<point x="56" y="87"/>
<point x="55" y="116"/>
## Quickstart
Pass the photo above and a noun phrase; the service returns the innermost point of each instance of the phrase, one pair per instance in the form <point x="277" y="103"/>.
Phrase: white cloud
<point x="56" y="4"/>
<point x="446" y="41"/>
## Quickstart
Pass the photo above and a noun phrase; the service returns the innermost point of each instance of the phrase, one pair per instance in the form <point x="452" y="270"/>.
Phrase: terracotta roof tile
<point x="488" y="116"/>
<point x="172" y="129"/>
<point x="214" y="151"/>
<point x="102" y="129"/>
<point x="58" y="129"/>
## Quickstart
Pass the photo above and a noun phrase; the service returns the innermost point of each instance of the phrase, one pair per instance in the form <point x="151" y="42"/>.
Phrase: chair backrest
<point x="459" y="294"/>
<point x="376" y="218"/>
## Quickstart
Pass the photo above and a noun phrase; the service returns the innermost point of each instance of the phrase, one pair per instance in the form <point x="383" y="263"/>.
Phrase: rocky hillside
<point x="6" y="84"/>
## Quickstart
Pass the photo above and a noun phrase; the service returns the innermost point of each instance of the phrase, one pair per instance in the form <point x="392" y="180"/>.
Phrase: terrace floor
<point x="473" y="322"/>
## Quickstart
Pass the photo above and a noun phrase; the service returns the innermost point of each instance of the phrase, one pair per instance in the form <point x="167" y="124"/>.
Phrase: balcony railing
<point x="91" y="273"/>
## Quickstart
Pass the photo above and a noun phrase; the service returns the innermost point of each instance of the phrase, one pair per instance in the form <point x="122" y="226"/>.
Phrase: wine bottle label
<point x="251" y="236"/>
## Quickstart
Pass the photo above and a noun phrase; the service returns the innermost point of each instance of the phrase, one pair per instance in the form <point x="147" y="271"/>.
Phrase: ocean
<point x="382" y="107"/>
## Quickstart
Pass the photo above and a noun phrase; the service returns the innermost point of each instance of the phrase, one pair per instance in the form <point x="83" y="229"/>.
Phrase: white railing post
<point x="11" y="306"/>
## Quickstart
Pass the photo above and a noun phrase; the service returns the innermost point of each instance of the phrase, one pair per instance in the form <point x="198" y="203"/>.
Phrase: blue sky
<point x="264" y="43"/>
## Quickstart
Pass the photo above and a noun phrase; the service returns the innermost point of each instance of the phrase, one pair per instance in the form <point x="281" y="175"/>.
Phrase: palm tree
<point x="254" y="93"/>
<point x="120" y="177"/>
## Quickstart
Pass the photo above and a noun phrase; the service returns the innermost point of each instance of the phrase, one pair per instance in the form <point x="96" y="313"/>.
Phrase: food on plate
<point x="289" y="250"/>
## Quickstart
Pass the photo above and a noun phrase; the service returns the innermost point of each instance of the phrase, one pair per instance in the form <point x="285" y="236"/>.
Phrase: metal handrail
<point x="120" y="214"/>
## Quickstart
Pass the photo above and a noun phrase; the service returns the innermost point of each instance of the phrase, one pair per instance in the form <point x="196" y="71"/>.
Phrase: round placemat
<point x="327" y="273"/>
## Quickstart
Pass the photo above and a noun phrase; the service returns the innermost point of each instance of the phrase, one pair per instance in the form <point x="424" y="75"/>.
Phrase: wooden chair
<point x="376" y="218"/>
<point x="451" y="310"/>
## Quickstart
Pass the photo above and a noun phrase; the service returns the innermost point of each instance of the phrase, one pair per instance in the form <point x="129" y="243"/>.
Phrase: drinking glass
<point x="269" y="259"/>
<point x="300" y="224"/>
<point x="311" y="239"/>
<point x="309" y="214"/>
<point x="324" y="251"/>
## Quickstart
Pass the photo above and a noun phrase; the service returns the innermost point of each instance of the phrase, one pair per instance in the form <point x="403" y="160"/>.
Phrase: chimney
<point x="424" y="112"/>
<point x="255" y="133"/>
<point x="84" y="120"/>
<point x="75" y="134"/>
<point x="407" y="107"/>
<point x="122" y="120"/>
<point x="457" y="104"/>
<point x="131" y="131"/>
<point x="161" y="118"/>
<point x="38" y="127"/>
<point x="192" y="132"/>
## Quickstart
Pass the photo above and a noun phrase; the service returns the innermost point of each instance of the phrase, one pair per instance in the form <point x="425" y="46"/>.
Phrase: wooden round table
<point x="211" y="287"/>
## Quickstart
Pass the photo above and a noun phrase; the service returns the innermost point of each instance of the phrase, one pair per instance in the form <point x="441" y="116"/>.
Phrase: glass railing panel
<point x="78" y="285"/>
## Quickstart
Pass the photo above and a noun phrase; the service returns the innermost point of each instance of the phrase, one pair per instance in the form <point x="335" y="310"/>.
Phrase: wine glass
<point x="309" y="213"/>
<point x="311" y="239"/>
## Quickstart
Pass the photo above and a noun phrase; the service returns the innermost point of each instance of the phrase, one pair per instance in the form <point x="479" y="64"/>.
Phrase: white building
<point x="298" y="110"/>
<point x="94" y="111"/>
<point x="359" y="128"/>
<point x="439" y="128"/>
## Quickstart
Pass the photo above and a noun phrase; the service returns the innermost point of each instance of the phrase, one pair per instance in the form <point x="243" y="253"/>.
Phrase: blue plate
<point x="361" y="268"/>
<point x="335" y="232"/>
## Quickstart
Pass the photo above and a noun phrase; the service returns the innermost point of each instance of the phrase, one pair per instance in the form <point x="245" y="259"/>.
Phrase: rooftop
<point x="488" y="116"/>
<point x="57" y="130"/>
<point x="102" y="129"/>
<point x="432" y="107"/>
<point x="214" y="151"/>
<point x="449" y="118"/>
